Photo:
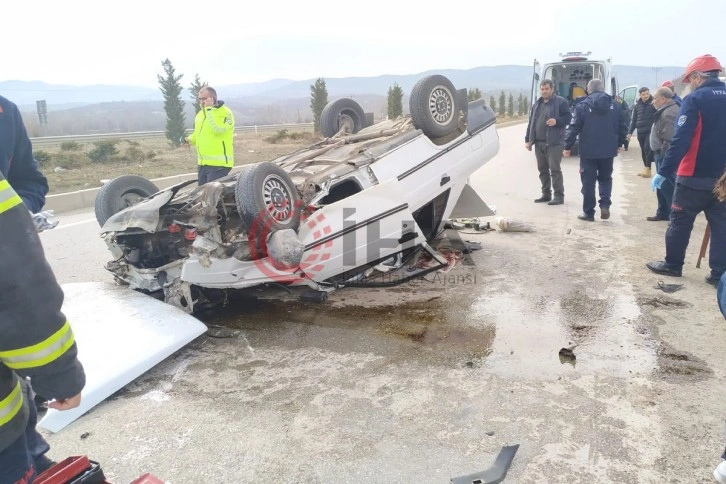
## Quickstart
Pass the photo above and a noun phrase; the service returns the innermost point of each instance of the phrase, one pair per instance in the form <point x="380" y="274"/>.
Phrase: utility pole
<point x="656" y="69"/>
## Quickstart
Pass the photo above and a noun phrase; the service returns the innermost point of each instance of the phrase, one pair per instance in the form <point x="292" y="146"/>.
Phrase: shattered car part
<point x="318" y="217"/>
<point x="496" y="473"/>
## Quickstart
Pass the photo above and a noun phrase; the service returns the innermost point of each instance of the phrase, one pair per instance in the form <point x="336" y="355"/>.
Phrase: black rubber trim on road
<point x="496" y="473"/>
<point x="357" y="226"/>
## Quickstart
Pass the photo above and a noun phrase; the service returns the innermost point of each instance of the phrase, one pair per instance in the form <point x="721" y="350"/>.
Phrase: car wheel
<point x="434" y="106"/>
<point x="120" y="193"/>
<point x="341" y="113"/>
<point x="267" y="199"/>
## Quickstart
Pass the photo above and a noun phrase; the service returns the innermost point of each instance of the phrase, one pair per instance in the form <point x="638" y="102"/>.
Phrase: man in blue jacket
<point x="549" y="116"/>
<point x="601" y="126"/>
<point x="697" y="158"/>
<point x="17" y="163"/>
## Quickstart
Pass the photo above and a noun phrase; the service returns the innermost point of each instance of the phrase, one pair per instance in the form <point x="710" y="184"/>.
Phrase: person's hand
<point x="66" y="404"/>
<point x="528" y="146"/>
<point x="566" y="153"/>
<point x="657" y="182"/>
<point x="628" y="136"/>
<point x="551" y="122"/>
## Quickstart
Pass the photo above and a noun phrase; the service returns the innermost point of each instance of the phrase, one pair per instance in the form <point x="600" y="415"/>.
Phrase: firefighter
<point x="696" y="158"/>
<point x="36" y="343"/>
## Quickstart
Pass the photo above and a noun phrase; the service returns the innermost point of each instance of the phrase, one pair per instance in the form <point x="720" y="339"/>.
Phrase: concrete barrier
<point x="78" y="200"/>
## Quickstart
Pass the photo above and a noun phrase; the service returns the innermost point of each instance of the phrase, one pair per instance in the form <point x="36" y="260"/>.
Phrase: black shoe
<point x="557" y="201"/>
<point x="544" y="198"/>
<point x="712" y="280"/>
<point x="655" y="218"/>
<point x="604" y="213"/>
<point x="661" y="267"/>
<point x="586" y="218"/>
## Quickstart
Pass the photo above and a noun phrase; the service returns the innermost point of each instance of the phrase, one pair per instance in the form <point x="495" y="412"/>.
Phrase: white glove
<point x="42" y="220"/>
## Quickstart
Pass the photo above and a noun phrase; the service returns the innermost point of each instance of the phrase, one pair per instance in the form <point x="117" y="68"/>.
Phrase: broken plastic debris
<point x="512" y="225"/>
<point x="668" y="288"/>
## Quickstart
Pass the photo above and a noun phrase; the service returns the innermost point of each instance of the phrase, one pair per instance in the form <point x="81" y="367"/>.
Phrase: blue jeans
<point x="687" y="204"/>
<point x="664" y="193"/>
<point x="17" y="462"/>
<point x="598" y="170"/>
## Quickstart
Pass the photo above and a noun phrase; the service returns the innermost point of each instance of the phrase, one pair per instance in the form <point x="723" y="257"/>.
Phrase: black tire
<point x="267" y="199"/>
<point x="434" y="106"/>
<point x="341" y="111"/>
<point x="120" y="193"/>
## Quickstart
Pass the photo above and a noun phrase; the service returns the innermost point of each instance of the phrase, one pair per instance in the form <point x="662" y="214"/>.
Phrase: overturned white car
<point x="318" y="217"/>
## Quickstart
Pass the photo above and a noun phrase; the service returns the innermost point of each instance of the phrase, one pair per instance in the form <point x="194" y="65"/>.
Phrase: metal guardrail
<point x="46" y="141"/>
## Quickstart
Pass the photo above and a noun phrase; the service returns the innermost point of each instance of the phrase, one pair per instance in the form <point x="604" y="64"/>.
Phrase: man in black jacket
<point x="599" y="122"/>
<point x="643" y="115"/>
<point x="548" y="119"/>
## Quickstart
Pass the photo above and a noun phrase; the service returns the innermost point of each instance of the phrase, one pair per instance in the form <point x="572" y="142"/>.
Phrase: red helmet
<point x="667" y="84"/>
<point x="702" y="63"/>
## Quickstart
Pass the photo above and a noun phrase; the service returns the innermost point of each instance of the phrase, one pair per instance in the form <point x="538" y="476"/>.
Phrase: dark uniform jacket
<point x="698" y="148"/>
<point x="36" y="340"/>
<point x="601" y="126"/>
<point x="17" y="163"/>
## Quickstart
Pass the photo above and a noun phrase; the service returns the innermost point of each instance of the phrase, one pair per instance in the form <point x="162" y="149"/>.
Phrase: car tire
<point x="120" y="193"/>
<point x="340" y="111"/>
<point x="267" y="199"/>
<point x="434" y="106"/>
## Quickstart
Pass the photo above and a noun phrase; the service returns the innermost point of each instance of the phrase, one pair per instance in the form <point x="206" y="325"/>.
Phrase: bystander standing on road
<point x="642" y="121"/>
<point x="548" y="118"/>
<point x="599" y="123"/>
<point x="213" y="136"/>
<point x="664" y="125"/>
<point x="676" y="98"/>
<point x="697" y="156"/>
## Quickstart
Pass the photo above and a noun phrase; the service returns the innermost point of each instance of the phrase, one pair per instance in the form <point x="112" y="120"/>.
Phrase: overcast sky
<point x="85" y="42"/>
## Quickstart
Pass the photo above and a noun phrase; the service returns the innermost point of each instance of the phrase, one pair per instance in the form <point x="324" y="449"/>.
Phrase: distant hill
<point x="486" y="78"/>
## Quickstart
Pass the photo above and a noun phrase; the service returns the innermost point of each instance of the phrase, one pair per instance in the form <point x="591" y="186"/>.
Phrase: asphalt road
<point x="427" y="381"/>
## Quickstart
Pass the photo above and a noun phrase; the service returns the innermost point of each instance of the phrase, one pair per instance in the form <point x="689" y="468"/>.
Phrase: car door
<point x="535" y="82"/>
<point x="367" y="227"/>
<point x="629" y="95"/>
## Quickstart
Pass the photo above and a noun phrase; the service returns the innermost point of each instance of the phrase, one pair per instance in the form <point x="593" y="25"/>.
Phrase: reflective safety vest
<point x="213" y="136"/>
<point x="36" y="340"/>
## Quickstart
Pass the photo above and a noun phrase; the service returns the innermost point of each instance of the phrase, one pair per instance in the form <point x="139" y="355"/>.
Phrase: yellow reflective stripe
<point x="8" y="197"/>
<point x="42" y="353"/>
<point x="10" y="405"/>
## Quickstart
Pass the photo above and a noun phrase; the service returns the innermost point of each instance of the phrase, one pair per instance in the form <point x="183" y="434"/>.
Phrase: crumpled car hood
<point x="143" y="215"/>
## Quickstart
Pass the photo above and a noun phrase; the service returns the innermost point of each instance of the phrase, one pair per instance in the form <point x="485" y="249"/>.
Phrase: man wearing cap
<point x="697" y="157"/>
<point x="676" y="98"/>
<point x="664" y="125"/>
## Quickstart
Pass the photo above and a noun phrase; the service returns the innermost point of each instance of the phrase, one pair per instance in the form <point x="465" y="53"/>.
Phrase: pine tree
<point x="318" y="100"/>
<point x="510" y="106"/>
<point x="173" y="105"/>
<point x="502" y="104"/>
<point x="474" y="94"/>
<point x="526" y="105"/>
<point x="493" y="103"/>
<point x="395" y="101"/>
<point x="194" y="89"/>
<point x="520" y="104"/>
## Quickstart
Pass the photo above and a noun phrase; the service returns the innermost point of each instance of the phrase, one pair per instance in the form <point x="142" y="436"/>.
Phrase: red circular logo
<point x="313" y="259"/>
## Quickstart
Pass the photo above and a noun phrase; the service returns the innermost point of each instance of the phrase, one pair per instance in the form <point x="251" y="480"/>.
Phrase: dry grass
<point x="73" y="170"/>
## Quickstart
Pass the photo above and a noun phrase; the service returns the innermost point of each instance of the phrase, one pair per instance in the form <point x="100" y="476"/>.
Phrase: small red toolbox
<point x="73" y="470"/>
